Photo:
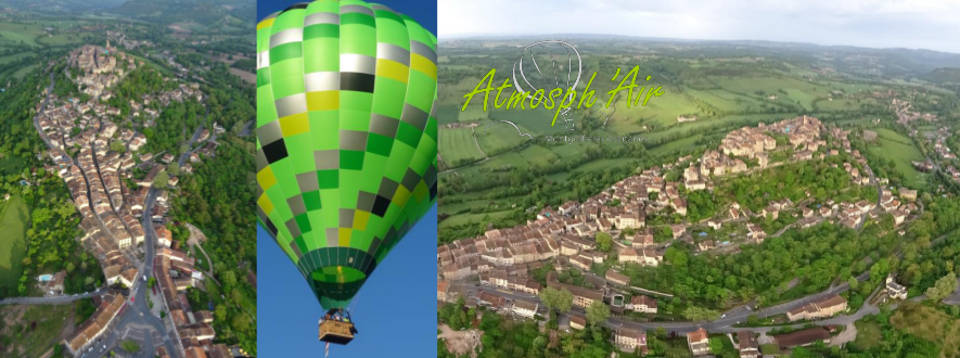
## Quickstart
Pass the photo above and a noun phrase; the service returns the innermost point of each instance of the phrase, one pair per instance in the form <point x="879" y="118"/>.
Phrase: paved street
<point x="137" y="314"/>
<point x="51" y="300"/>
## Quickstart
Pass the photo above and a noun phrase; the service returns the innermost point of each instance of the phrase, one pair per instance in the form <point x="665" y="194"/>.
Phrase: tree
<point x="130" y="346"/>
<point x="173" y="168"/>
<point x="695" y="313"/>
<point x="604" y="242"/>
<point x="942" y="288"/>
<point x="160" y="181"/>
<point x="557" y="300"/>
<point x="117" y="146"/>
<point x="597" y="312"/>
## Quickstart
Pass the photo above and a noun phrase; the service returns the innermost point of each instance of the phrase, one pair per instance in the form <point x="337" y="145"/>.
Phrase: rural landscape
<point x="778" y="199"/>
<point x="122" y="233"/>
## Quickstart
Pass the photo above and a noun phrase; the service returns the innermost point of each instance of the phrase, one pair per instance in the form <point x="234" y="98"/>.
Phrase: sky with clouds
<point x="927" y="24"/>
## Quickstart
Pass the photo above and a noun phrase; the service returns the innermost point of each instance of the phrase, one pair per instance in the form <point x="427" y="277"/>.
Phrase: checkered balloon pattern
<point x="346" y="137"/>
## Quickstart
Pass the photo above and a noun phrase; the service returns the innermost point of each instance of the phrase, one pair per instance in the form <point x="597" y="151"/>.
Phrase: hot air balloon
<point x="347" y="141"/>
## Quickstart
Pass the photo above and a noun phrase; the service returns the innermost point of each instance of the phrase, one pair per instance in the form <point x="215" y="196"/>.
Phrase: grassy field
<point x="458" y="146"/>
<point x="14" y="215"/>
<point x="471" y="218"/>
<point x="901" y="150"/>
<point x="31" y="331"/>
<point x="497" y="137"/>
<point x="20" y="33"/>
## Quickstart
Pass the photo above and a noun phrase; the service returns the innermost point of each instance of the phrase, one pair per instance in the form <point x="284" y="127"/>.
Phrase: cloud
<point x="930" y="24"/>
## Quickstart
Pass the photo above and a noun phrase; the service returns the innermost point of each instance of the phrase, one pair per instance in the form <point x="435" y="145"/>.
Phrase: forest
<point x="218" y="199"/>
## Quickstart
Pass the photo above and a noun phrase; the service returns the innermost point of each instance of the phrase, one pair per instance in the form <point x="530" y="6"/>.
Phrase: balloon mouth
<point x="335" y="286"/>
<point x="338" y="274"/>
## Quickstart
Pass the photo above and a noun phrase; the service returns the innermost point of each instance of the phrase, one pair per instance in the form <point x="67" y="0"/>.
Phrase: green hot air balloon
<point x="346" y="138"/>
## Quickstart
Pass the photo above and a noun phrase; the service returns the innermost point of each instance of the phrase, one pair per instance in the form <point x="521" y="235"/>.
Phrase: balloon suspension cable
<point x="326" y="350"/>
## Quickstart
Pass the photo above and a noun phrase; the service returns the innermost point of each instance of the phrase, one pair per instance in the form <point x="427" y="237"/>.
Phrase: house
<point x="895" y="290"/>
<point x="699" y="342"/>
<point x="577" y="321"/>
<point x="706" y="245"/>
<point x="442" y="290"/>
<point x="642" y="240"/>
<point x="823" y="308"/>
<point x="747" y="345"/>
<point x="802" y="337"/>
<point x="164" y="236"/>
<point x="642" y="304"/>
<point x="756" y="233"/>
<point x="583" y="297"/>
<point x="678" y="230"/>
<point x="617" y="278"/>
<point x="582" y="262"/>
<point x="630" y="340"/>
<point x="96" y="325"/>
<point x="714" y="224"/>
<point x="525" y="308"/>
<point x="908" y="194"/>
<point x="52" y="285"/>
<point x="628" y="254"/>
<point x="491" y="300"/>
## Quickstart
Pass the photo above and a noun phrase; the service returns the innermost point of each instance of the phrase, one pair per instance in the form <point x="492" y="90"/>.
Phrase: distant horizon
<point x="498" y="36"/>
<point x="879" y="24"/>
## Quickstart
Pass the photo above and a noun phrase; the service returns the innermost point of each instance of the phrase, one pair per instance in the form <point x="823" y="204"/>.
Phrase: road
<point x="724" y="324"/>
<point x="50" y="300"/>
<point x="138" y="315"/>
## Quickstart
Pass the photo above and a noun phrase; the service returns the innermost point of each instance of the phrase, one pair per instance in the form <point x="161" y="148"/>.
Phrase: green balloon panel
<point x="346" y="137"/>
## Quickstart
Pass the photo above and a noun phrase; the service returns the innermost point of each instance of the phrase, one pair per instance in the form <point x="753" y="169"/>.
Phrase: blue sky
<point x="395" y="311"/>
<point x="425" y="12"/>
<point x="928" y="24"/>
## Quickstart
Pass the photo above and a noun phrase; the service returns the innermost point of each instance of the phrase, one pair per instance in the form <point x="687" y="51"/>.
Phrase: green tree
<point x="557" y="300"/>
<point x="942" y="288"/>
<point x="160" y="181"/>
<point x="604" y="242"/>
<point x="117" y="146"/>
<point x="597" y="312"/>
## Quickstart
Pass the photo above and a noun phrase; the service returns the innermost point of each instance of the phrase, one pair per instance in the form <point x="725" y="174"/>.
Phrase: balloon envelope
<point x="346" y="137"/>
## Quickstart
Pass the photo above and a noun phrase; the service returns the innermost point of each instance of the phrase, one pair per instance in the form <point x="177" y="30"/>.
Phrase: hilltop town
<point x="99" y="154"/>
<point x="635" y="222"/>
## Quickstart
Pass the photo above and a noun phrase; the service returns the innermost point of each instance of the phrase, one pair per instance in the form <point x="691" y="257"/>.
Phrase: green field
<point x="458" y="146"/>
<point x="14" y="216"/>
<point x="31" y="331"/>
<point x="902" y="151"/>
<point x="497" y="137"/>
<point x="17" y="33"/>
<point x="471" y="218"/>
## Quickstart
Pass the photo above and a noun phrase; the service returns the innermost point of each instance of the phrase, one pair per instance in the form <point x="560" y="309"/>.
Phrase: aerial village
<point x="938" y="139"/>
<point x="494" y="269"/>
<point x="116" y="209"/>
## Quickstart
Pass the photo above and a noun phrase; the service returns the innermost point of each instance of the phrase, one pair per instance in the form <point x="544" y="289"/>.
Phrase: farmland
<point x="14" y="216"/>
<point x="716" y="87"/>
<point x="901" y="150"/>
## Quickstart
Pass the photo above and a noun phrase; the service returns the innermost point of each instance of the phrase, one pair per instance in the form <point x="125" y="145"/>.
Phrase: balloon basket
<point x="339" y="331"/>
